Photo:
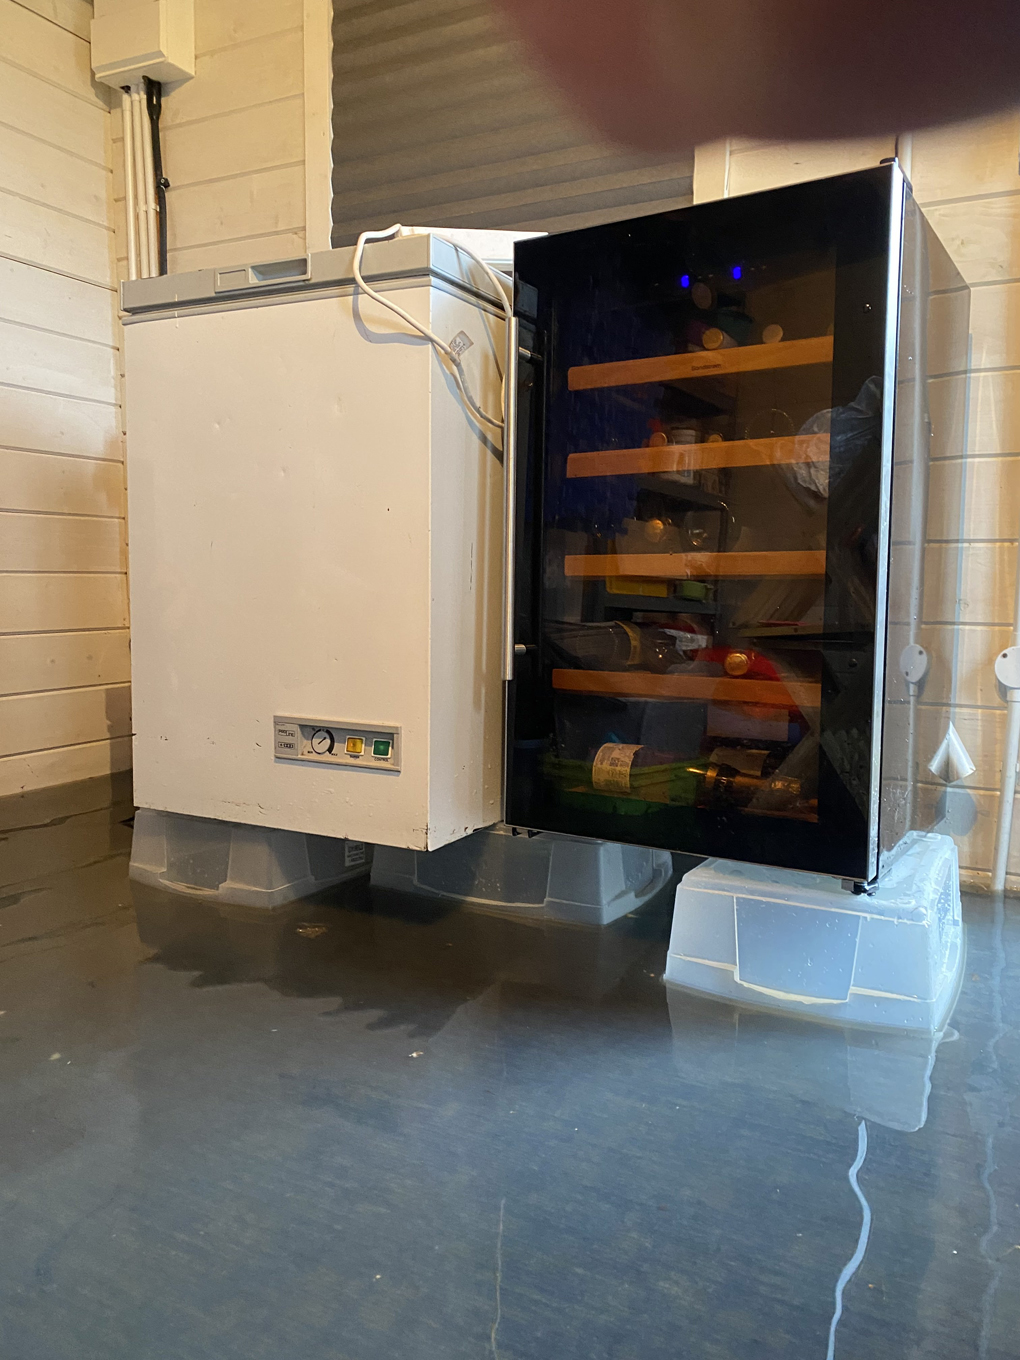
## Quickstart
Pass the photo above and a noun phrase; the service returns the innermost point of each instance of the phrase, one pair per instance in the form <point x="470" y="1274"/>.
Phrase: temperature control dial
<point x="322" y="741"/>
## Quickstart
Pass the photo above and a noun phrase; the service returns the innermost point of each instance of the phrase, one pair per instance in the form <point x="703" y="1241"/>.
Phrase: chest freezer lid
<point x="406" y="257"/>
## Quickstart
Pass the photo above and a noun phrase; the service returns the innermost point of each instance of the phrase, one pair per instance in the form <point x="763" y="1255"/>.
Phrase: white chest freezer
<point x="315" y="527"/>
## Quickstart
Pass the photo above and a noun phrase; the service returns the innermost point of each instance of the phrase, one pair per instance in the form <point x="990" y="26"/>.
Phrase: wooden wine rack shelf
<point x="808" y="448"/>
<point x="683" y="566"/>
<point x="702" y="364"/>
<point x="701" y="688"/>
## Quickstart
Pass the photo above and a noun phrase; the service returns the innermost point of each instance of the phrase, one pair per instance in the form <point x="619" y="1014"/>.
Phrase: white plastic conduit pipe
<point x="1007" y="672"/>
<point x="141" y="215"/>
<point x="127" y="120"/>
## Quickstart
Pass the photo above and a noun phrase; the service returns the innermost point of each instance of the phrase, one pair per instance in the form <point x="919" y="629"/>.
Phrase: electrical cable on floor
<point x="445" y="351"/>
<point x="850" y="1269"/>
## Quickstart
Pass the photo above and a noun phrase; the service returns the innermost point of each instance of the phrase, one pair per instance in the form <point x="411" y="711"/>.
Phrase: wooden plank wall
<point x="967" y="179"/>
<point x="233" y="140"/>
<point x="64" y="705"/>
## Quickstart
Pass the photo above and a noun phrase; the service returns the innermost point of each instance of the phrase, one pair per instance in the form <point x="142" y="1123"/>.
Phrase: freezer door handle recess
<point x="263" y="275"/>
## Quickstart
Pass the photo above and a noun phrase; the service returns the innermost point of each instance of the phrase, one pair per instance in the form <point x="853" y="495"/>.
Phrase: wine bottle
<point x="626" y="646"/>
<point x="738" y="776"/>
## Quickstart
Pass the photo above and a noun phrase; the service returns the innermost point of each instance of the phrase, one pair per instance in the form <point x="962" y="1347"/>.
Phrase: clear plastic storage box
<point x="562" y="878"/>
<point x="801" y="943"/>
<point x="248" y="866"/>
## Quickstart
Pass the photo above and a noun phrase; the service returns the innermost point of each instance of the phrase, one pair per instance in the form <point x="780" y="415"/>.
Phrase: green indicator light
<point x="381" y="748"/>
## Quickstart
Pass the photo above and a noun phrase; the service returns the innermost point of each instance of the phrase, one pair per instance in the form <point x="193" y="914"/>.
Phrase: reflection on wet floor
<point x="374" y="1126"/>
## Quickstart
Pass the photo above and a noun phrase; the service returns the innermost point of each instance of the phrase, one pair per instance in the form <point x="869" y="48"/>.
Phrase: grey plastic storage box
<point x="563" y="878"/>
<point x="248" y="866"/>
<point x="800" y="943"/>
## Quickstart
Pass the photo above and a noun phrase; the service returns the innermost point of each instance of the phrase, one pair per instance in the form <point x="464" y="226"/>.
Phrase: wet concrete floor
<point x="374" y="1126"/>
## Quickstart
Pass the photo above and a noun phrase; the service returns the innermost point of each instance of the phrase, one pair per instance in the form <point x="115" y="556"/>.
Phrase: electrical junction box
<point x="154" y="38"/>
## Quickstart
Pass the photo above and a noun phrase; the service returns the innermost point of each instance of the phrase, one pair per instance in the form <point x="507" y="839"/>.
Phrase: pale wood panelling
<point x="65" y="710"/>
<point x="52" y="114"/>
<point x="52" y="239"/>
<point x="240" y="77"/>
<point x="39" y="722"/>
<point x="222" y="23"/>
<point x="766" y="165"/>
<point x="45" y="49"/>
<point x="61" y="543"/>
<point x="991" y="491"/>
<point x="270" y="201"/>
<point x="235" y="143"/>
<point x="60" y="179"/>
<point x="57" y="363"/>
<point x="66" y="765"/>
<point x="948" y="333"/>
<point x="74" y="15"/>
<point x="947" y="404"/>
<point x="994" y="416"/>
<point x="986" y="594"/>
<point x="965" y="160"/>
<point x="54" y="302"/>
<point x="982" y="236"/>
<point x="994" y="423"/>
<point x="52" y="424"/>
<point x="247" y="250"/>
<point x="226" y="146"/>
<point x="49" y="603"/>
<point x="52" y="661"/>
<point x="995" y="326"/>
<point x="58" y="485"/>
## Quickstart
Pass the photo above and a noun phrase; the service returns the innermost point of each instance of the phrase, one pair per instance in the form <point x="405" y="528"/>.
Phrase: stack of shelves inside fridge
<point x="685" y="522"/>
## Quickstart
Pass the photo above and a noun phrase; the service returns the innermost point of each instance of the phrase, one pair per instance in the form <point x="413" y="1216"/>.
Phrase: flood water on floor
<point x="377" y="1126"/>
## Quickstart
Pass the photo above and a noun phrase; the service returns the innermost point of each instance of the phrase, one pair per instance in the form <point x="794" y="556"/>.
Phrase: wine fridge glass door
<point x="702" y="453"/>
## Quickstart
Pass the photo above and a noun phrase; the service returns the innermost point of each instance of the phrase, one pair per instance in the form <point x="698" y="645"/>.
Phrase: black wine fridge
<point x="733" y="593"/>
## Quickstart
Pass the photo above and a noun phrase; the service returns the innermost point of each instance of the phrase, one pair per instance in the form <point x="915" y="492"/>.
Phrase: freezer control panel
<point x="327" y="742"/>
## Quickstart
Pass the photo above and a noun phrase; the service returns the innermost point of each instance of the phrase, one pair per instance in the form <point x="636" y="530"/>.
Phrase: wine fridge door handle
<point x="509" y="494"/>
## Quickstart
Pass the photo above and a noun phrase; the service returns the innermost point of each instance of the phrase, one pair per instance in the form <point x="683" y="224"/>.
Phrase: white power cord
<point x="445" y="351"/>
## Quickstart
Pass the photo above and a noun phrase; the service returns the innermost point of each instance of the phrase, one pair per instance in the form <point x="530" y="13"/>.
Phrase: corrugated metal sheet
<point x="439" y="121"/>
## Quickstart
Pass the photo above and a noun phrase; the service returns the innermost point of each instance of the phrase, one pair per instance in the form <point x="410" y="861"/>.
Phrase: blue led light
<point x="685" y="280"/>
<point x="738" y="273"/>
